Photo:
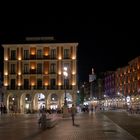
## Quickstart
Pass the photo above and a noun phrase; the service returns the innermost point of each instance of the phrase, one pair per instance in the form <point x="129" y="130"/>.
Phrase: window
<point x="53" y="83"/>
<point x="13" y="69"/>
<point x="135" y="76"/>
<point x="13" y="83"/>
<point x="66" y="54"/>
<point x="135" y="86"/>
<point x="53" y="53"/>
<point x="66" y="83"/>
<point x="126" y="79"/>
<point x="26" y="83"/>
<point x="26" y="54"/>
<point x="39" y="83"/>
<point x="13" y="54"/>
<point x="53" y="67"/>
<point x="39" y="68"/>
<point x="39" y="53"/>
<point x="26" y="68"/>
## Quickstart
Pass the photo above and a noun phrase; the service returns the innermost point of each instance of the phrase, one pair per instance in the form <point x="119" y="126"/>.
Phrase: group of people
<point x="44" y="116"/>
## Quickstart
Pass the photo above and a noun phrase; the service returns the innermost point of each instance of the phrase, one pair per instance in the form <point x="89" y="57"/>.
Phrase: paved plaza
<point x="90" y="126"/>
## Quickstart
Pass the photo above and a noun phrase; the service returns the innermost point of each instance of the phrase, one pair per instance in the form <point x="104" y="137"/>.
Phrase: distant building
<point x="100" y="88"/>
<point x="33" y="75"/>
<point x="92" y="78"/>
<point x="109" y="84"/>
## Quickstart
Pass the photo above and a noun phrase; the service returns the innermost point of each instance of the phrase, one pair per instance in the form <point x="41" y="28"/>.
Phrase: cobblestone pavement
<point x="129" y="122"/>
<point x="95" y="126"/>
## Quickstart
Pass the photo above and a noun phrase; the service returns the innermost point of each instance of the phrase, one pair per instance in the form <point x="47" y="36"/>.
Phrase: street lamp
<point x="65" y="73"/>
<point x="65" y="109"/>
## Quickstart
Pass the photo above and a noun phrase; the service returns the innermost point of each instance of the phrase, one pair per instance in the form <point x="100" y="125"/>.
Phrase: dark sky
<point x="105" y="42"/>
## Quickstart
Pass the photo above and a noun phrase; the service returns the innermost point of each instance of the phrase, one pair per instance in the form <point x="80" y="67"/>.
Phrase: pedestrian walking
<point x="73" y="112"/>
<point x="42" y="120"/>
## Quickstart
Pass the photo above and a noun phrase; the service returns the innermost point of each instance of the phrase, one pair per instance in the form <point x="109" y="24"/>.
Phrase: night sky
<point x="105" y="42"/>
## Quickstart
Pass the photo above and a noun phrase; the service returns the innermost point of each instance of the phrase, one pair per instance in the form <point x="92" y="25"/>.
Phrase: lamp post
<point x="65" y="109"/>
<point x="65" y="73"/>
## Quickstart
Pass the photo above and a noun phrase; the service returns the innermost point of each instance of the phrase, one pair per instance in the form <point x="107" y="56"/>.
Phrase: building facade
<point x="33" y="75"/>
<point x="1" y="91"/>
<point x="128" y="82"/>
<point x="109" y="81"/>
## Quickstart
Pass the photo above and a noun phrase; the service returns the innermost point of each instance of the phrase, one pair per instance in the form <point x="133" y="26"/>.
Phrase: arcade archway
<point x="39" y="101"/>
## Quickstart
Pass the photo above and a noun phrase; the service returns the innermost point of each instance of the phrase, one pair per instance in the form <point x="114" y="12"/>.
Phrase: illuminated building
<point x="109" y="81"/>
<point x="128" y="82"/>
<point x="33" y="75"/>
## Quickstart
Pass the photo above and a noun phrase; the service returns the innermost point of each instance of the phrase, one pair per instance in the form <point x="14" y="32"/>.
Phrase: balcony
<point x="35" y="57"/>
<point x="69" y="87"/>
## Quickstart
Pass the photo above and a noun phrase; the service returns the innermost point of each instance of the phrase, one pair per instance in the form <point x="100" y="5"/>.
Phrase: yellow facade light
<point x="19" y="73"/>
<point x="6" y="84"/>
<point x="59" y="57"/>
<point x="46" y="84"/>
<point x="73" y="57"/>
<point x="19" y="84"/>
<point x="46" y="54"/>
<point x="59" y="84"/>
<point x="46" y="72"/>
<point x="32" y="52"/>
<point x="32" y="67"/>
<point x="6" y="59"/>
<point x="59" y="72"/>
<point x="19" y="58"/>
<point x="73" y="73"/>
<point x="73" y="83"/>
<point x="32" y="83"/>
<point x="6" y="73"/>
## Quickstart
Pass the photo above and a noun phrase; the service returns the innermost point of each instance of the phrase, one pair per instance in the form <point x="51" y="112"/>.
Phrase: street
<point x="90" y="126"/>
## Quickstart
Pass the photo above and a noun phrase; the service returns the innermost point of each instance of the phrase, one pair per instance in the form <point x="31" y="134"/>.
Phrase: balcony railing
<point x="35" y="57"/>
<point x="69" y="87"/>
